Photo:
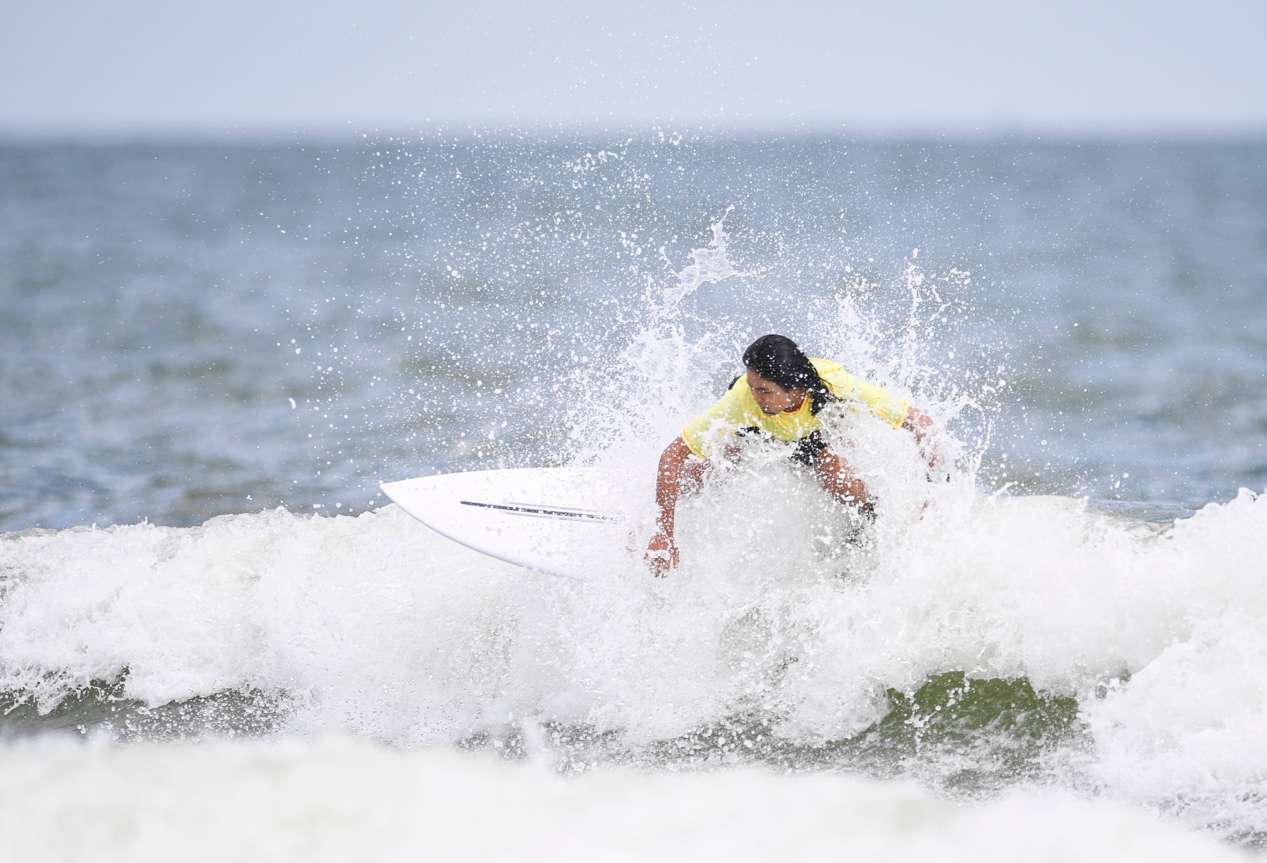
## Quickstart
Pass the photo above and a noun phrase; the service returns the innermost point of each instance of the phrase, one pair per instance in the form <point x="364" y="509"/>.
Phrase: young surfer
<point x="779" y="396"/>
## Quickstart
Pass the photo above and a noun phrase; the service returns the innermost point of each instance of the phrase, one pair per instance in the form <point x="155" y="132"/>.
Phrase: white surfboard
<point x="564" y="521"/>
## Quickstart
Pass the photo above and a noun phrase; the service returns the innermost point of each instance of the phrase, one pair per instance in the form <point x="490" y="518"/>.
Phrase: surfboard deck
<point x="565" y="521"/>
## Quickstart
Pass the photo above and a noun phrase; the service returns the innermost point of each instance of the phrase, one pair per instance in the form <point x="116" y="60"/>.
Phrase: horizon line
<point x="350" y="132"/>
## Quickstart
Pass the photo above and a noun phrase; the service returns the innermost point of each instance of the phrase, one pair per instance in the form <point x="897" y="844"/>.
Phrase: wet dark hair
<point x="779" y="360"/>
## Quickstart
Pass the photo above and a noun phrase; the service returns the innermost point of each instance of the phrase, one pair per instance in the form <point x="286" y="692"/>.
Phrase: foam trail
<point x="338" y="798"/>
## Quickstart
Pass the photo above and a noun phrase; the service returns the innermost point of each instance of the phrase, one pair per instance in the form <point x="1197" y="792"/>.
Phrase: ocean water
<point x="216" y="634"/>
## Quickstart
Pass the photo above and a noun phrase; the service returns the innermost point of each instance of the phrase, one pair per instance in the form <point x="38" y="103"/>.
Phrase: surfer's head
<point x="781" y="377"/>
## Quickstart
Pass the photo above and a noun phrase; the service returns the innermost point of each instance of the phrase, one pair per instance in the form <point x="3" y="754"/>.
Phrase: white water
<point x="375" y="627"/>
<point x="341" y="799"/>
<point x="378" y="627"/>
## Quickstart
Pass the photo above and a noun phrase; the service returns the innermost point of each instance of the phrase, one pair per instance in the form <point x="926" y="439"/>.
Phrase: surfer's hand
<point x="937" y="470"/>
<point x="921" y="425"/>
<point x="662" y="554"/>
<point x="933" y="457"/>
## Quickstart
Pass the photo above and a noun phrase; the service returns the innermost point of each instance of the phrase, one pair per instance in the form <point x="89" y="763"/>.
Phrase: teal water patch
<point x="962" y="735"/>
<point x="999" y="731"/>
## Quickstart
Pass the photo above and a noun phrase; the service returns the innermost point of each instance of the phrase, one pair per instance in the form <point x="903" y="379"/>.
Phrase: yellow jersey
<point x="738" y="409"/>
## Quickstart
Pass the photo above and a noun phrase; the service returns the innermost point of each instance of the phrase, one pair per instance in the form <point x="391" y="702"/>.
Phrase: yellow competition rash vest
<point x="739" y="409"/>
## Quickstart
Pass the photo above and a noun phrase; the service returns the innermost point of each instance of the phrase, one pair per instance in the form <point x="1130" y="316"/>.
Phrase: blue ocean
<point x="217" y="634"/>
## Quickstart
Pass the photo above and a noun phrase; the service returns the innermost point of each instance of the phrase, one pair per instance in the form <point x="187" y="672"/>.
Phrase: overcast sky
<point x="283" y="66"/>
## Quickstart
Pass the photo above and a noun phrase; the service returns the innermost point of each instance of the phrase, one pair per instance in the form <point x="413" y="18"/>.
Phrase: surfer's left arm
<point x="895" y="411"/>
<point x="922" y="427"/>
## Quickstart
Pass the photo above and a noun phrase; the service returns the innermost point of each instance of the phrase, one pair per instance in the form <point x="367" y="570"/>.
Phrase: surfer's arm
<point x="680" y="472"/>
<point x="924" y="430"/>
<point x="897" y="412"/>
<point x="884" y="405"/>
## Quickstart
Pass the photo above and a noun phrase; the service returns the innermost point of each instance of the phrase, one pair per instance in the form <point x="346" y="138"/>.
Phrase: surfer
<point x="779" y="396"/>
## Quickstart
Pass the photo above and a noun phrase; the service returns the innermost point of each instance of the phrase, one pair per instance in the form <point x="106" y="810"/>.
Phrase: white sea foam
<point x="376" y="626"/>
<point x="373" y="625"/>
<point x="341" y="799"/>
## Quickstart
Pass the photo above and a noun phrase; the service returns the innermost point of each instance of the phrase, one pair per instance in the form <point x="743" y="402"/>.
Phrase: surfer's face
<point x="772" y="398"/>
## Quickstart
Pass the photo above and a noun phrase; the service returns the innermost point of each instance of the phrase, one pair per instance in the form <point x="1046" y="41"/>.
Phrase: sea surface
<point x="218" y="640"/>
